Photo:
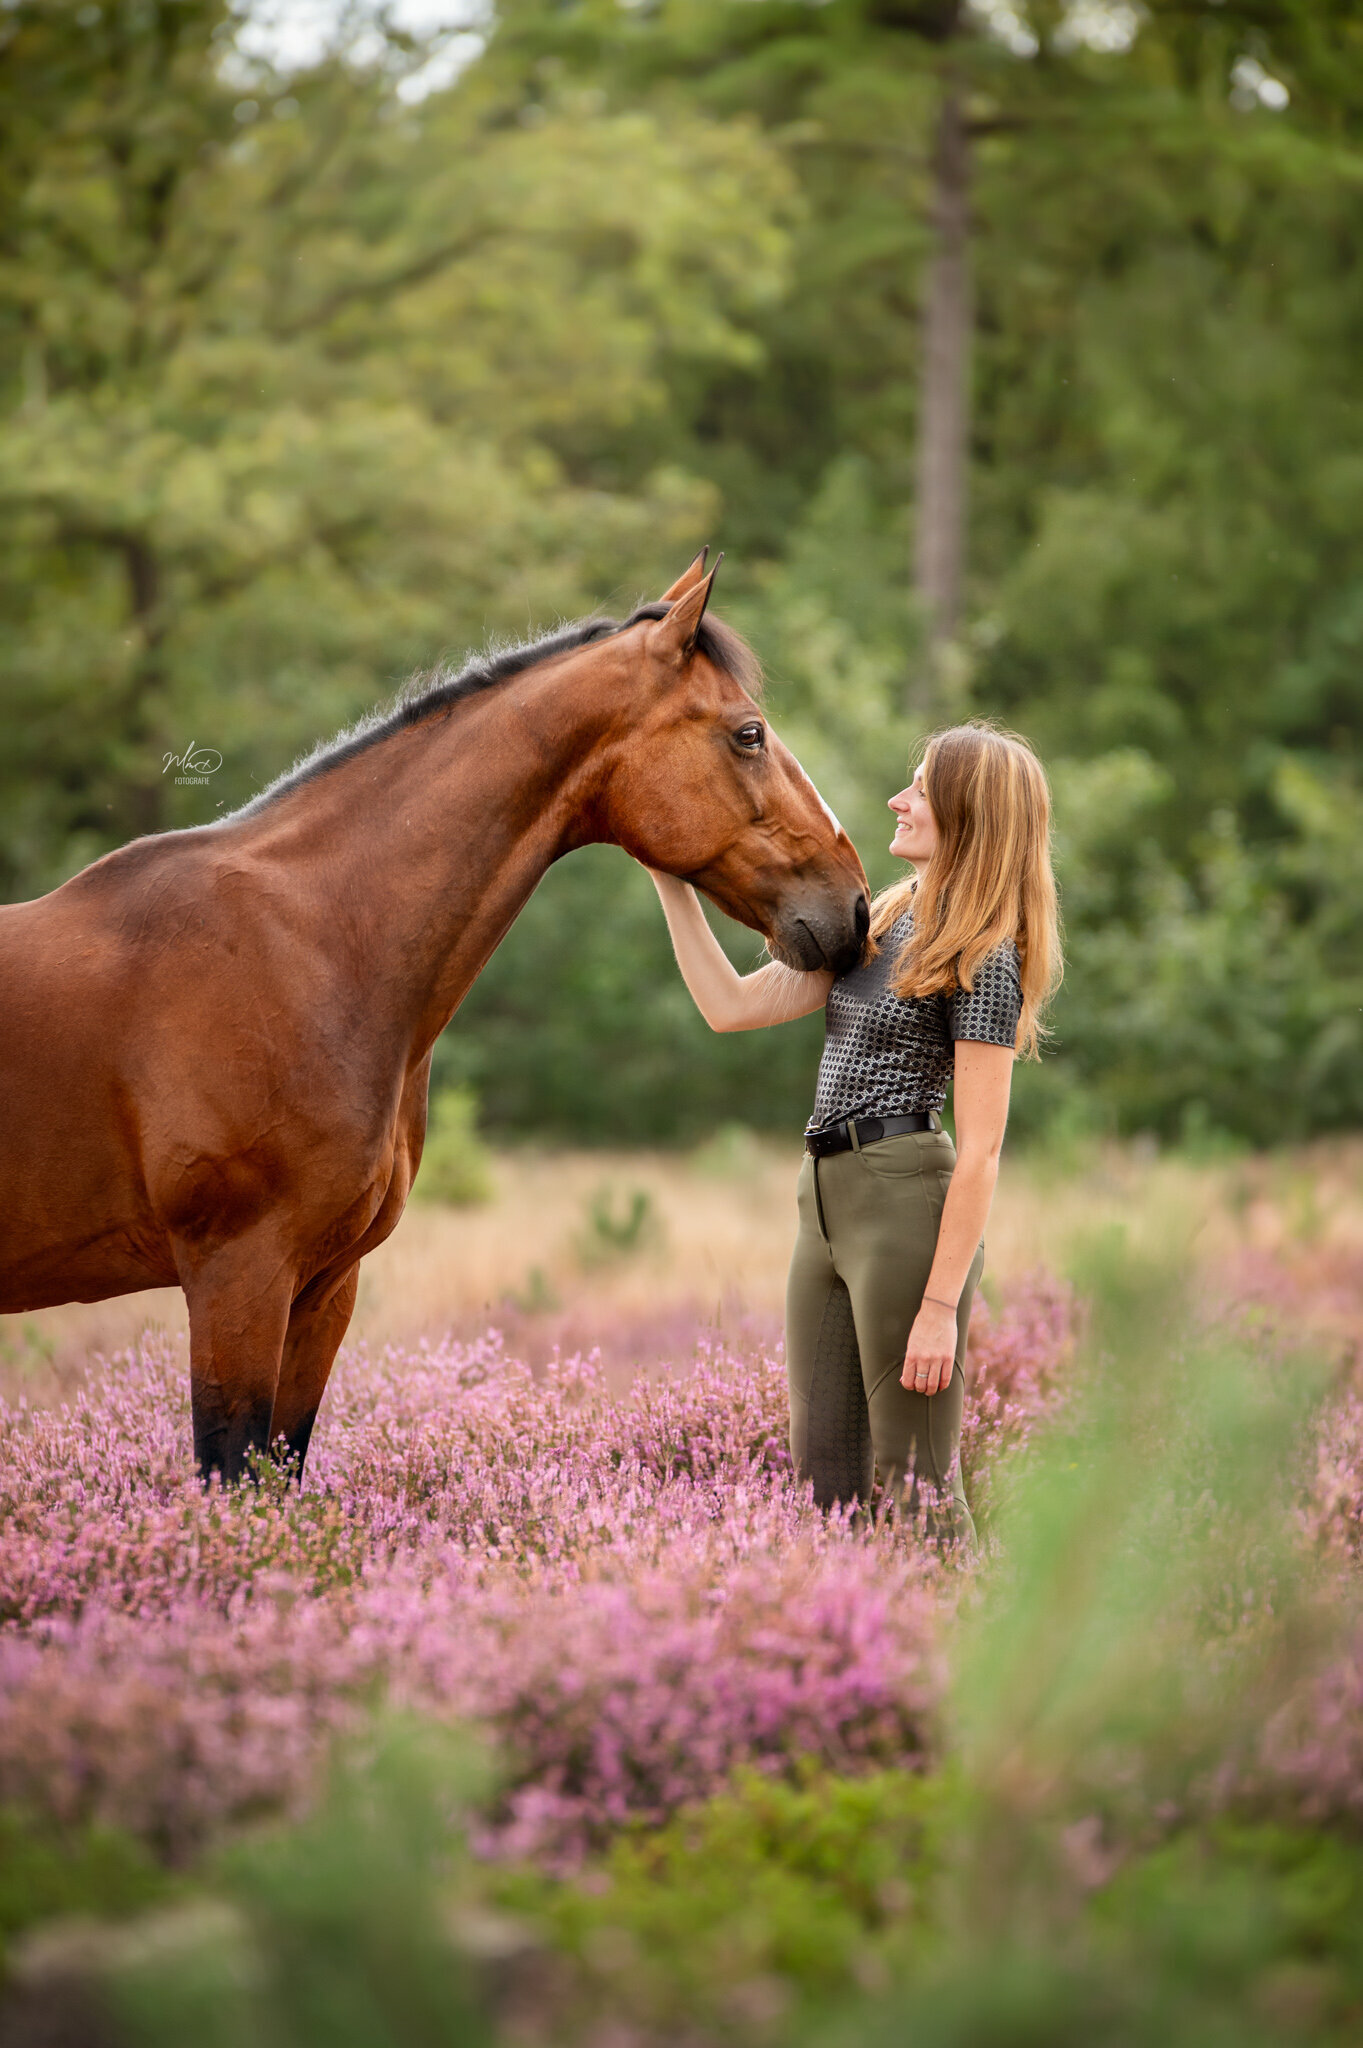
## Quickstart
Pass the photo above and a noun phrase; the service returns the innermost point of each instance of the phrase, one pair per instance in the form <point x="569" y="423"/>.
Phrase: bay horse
<point x="215" y="1043"/>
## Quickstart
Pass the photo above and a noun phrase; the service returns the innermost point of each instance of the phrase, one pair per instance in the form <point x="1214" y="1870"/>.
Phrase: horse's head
<point x="701" y="787"/>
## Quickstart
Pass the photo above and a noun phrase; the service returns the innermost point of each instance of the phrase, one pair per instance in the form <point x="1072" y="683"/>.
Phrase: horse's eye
<point x="751" y="737"/>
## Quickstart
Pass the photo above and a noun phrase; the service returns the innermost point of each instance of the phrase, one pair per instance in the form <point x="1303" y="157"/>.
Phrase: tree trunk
<point x="143" y="799"/>
<point x="944" y="399"/>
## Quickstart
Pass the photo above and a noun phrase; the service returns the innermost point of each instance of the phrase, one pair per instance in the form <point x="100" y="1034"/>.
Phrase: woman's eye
<point x="750" y="737"/>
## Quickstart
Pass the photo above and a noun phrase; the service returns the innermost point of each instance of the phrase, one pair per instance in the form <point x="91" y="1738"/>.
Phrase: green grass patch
<point x="49" y="1873"/>
<point x="766" y="1898"/>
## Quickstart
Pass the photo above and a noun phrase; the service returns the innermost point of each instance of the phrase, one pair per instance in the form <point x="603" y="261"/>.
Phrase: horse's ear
<point x="688" y="578"/>
<point x="675" y="636"/>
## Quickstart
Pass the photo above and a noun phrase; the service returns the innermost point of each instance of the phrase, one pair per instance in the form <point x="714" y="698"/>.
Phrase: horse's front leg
<point x="239" y="1299"/>
<point x="318" y="1322"/>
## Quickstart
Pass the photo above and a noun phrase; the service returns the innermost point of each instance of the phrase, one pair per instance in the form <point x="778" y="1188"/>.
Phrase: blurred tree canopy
<point x="309" y="379"/>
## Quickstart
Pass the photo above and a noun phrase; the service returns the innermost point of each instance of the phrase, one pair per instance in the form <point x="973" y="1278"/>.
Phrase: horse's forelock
<point x="730" y="651"/>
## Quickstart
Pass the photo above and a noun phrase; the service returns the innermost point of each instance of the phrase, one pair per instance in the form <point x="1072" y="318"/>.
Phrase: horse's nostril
<point x="862" y="919"/>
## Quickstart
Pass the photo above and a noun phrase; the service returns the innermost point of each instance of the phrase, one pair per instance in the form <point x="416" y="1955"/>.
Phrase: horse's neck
<point x="427" y="844"/>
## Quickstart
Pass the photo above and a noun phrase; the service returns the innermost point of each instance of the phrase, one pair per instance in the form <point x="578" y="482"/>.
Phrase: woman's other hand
<point x="931" y="1355"/>
<point x="983" y="1077"/>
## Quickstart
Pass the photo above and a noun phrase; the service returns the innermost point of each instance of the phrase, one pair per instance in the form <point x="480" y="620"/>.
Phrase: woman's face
<point x="915" y="836"/>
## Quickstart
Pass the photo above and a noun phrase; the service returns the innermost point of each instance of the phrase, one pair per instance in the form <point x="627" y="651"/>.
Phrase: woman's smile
<point x="915" y="833"/>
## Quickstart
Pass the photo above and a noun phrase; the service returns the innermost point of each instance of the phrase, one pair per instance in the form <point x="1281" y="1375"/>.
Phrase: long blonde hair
<point x="990" y="878"/>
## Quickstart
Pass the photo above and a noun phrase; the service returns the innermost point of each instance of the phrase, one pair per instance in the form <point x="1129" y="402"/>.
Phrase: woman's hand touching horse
<point x="726" y="999"/>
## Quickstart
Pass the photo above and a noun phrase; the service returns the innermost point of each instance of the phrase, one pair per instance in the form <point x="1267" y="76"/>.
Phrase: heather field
<point x="550" y="1710"/>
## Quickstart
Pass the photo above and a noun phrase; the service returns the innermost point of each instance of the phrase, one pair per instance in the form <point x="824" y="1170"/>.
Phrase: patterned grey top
<point x="883" y="1056"/>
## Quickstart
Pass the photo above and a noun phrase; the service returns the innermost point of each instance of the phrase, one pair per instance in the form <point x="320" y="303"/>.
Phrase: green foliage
<point x="291" y="406"/>
<point x="731" y="1152"/>
<point x="1225" y="1938"/>
<point x="456" y="1166"/>
<point x="789" y="1907"/>
<point x="1226" y="999"/>
<point x="1152" y="1608"/>
<point x="48" y="1873"/>
<point x="807" y="1891"/>
<point x="610" y="1232"/>
<point x="28" y="1350"/>
<point x="818" y="1913"/>
<point x="818" y="1909"/>
<point x="537" y="1297"/>
<point x="339" y="1929"/>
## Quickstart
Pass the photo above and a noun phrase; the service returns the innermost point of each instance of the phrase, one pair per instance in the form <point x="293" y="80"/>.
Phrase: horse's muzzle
<point x="831" y="936"/>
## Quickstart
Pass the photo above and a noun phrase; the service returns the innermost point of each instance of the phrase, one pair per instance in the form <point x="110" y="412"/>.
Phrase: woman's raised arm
<point x="726" y="999"/>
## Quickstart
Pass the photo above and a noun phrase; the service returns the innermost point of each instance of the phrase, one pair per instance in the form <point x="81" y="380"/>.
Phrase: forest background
<point x="316" y="369"/>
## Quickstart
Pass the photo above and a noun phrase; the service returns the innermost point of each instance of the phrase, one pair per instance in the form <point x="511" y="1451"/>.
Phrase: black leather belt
<point x="869" y="1129"/>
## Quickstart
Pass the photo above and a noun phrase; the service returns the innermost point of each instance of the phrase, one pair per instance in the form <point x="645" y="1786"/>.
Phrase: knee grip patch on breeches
<point x="839" y="1439"/>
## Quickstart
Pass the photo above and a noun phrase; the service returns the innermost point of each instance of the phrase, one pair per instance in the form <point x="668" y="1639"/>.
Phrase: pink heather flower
<point x="626" y="1591"/>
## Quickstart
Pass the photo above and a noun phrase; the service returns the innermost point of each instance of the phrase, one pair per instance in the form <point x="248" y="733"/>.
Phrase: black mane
<point x="440" y="689"/>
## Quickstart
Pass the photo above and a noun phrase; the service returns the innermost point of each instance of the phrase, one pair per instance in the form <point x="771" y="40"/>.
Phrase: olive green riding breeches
<point x="868" y="1232"/>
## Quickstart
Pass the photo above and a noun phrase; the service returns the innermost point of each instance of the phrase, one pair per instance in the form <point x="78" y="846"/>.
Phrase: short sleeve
<point x="989" y="1012"/>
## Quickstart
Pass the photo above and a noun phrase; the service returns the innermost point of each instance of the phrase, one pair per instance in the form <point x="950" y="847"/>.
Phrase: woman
<point x="962" y="957"/>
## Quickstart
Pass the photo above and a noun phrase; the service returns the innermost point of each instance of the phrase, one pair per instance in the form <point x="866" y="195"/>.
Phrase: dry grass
<point x="717" y="1235"/>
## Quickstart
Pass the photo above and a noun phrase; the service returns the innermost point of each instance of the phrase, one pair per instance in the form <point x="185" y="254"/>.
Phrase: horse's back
<point x="72" y="962"/>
